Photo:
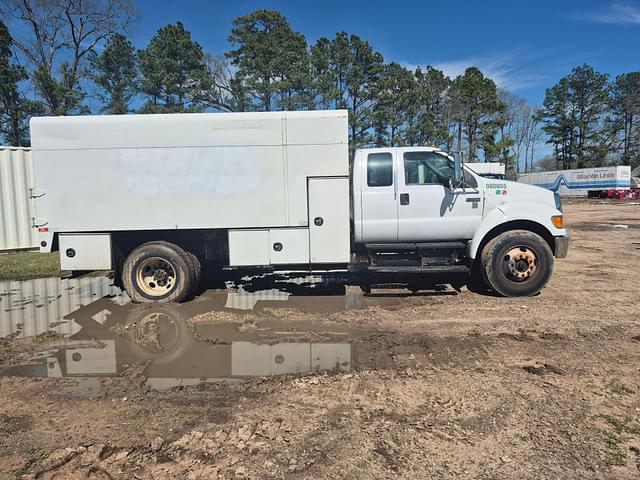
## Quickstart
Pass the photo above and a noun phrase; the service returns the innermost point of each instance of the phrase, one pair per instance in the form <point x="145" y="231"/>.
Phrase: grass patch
<point x="10" y="425"/>
<point x="621" y="388"/>
<point x="26" y="265"/>
<point x="617" y="458"/>
<point x="626" y="425"/>
<point x="616" y="436"/>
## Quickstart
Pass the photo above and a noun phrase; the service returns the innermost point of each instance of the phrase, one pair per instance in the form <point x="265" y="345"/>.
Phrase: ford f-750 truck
<point x="154" y="197"/>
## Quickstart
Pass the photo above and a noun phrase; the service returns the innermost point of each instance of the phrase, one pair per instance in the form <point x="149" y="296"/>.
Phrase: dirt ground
<point x="441" y="384"/>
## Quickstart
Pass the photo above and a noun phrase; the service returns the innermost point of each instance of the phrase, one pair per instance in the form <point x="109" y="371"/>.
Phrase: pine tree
<point x="15" y="109"/>
<point x="625" y="112"/>
<point x="272" y="61"/>
<point x="115" y="71"/>
<point x="174" y="73"/>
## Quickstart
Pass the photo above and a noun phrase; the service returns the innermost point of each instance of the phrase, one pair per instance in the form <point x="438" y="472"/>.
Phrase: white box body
<point x="258" y="175"/>
<point x="183" y="171"/>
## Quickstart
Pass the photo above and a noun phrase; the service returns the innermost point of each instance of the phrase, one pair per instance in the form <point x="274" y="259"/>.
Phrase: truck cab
<point x="419" y="209"/>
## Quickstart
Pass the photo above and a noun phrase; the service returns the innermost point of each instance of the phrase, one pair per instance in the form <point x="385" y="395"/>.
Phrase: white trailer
<point x="579" y="182"/>
<point x="154" y="197"/>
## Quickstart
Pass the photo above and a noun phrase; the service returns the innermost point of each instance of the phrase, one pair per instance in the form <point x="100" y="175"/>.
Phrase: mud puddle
<point x="91" y="331"/>
<point x="49" y="305"/>
<point x="166" y="348"/>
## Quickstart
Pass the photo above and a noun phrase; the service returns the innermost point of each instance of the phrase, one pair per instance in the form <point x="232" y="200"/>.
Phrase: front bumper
<point x="562" y="246"/>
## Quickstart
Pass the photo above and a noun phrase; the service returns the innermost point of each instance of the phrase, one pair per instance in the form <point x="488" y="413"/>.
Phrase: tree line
<point x="73" y="57"/>
<point x="591" y="120"/>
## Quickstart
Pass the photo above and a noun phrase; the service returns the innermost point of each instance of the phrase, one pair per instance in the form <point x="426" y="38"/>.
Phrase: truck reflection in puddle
<point x="50" y="305"/>
<point x="183" y="344"/>
<point x="114" y="337"/>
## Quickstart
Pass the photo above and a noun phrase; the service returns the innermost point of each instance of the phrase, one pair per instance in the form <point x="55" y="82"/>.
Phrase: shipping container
<point x="579" y="182"/>
<point x="16" y="204"/>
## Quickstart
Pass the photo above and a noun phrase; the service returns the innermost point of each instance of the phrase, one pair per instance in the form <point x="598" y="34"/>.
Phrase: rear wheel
<point x="517" y="263"/>
<point x="197" y="271"/>
<point x="158" y="272"/>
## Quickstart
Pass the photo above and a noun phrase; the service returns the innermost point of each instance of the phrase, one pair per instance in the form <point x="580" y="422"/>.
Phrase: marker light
<point x="558" y="221"/>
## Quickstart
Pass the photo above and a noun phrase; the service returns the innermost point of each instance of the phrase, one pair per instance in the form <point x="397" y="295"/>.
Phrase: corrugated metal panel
<point x="33" y="307"/>
<point x="16" y="205"/>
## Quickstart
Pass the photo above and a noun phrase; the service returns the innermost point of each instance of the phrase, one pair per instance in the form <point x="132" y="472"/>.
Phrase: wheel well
<point x="207" y="245"/>
<point x="517" y="225"/>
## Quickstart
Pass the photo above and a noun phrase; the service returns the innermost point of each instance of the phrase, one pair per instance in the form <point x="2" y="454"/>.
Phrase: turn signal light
<point x="558" y="221"/>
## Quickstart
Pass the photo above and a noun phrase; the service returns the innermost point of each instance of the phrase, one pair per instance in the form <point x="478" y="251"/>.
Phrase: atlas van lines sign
<point x="595" y="175"/>
<point x="600" y="174"/>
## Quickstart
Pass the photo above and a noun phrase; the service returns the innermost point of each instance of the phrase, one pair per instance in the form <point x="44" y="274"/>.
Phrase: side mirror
<point x="457" y="170"/>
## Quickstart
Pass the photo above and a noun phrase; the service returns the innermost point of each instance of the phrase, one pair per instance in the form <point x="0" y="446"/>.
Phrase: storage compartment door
<point x="248" y="247"/>
<point x="288" y="246"/>
<point x="85" y="251"/>
<point x="329" y="236"/>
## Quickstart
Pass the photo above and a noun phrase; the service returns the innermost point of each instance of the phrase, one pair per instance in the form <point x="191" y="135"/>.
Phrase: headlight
<point x="556" y="198"/>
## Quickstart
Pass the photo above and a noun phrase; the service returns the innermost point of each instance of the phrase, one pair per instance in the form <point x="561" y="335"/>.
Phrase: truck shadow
<point x="302" y="283"/>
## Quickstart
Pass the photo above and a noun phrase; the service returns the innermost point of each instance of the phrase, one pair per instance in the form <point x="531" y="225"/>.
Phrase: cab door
<point x="379" y="198"/>
<point x="428" y="210"/>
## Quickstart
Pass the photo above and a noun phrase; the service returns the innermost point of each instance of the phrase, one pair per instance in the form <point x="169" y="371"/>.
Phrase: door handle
<point x="404" y="199"/>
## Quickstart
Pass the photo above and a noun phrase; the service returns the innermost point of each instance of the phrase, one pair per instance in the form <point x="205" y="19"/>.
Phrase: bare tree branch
<point x="59" y="35"/>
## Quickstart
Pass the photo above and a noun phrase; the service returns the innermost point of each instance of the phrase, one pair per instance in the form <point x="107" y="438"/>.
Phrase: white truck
<point x="155" y="197"/>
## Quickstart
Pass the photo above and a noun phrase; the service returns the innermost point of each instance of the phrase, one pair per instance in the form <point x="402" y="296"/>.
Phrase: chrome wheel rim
<point x="519" y="264"/>
<point x="156" y="276"/>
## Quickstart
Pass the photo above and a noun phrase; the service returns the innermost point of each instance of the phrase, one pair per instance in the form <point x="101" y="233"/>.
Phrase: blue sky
<point x="525" y="46"/>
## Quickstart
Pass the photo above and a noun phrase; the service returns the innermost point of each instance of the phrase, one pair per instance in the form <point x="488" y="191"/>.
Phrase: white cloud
<point x="511" y="70"/>
<point x="616" y="13"/>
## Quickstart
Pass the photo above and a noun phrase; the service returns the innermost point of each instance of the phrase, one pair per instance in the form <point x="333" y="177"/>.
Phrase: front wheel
<point x="158" y="272"/>
<point x="517" y="263"/>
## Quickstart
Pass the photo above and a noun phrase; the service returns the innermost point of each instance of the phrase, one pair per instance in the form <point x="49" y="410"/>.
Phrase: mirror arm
<point x="458" y="171"/>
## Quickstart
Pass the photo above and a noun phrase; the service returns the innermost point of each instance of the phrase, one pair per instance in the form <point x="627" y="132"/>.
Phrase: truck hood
<point x="502" y="192"/>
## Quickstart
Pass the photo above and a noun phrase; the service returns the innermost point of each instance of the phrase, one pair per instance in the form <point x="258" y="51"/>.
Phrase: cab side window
<point x="379" y="170"/>
<point x="425" y="168"/>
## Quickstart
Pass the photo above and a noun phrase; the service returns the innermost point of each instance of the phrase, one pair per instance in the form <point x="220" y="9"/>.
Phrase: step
<point x="393" y="247"/>
<point x="416" y="269"/>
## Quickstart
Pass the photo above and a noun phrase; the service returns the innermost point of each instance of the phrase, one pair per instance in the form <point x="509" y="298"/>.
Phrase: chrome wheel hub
<point x="156" y="276"/>
<point x="519" y="264"/>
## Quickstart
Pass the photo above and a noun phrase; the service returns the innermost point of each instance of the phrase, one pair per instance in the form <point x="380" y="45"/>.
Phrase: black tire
<point x="517" y="263"/>
<point x="197" y="271"/>
<point x="477" y="283"/>
<point x="173" y="258"/>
